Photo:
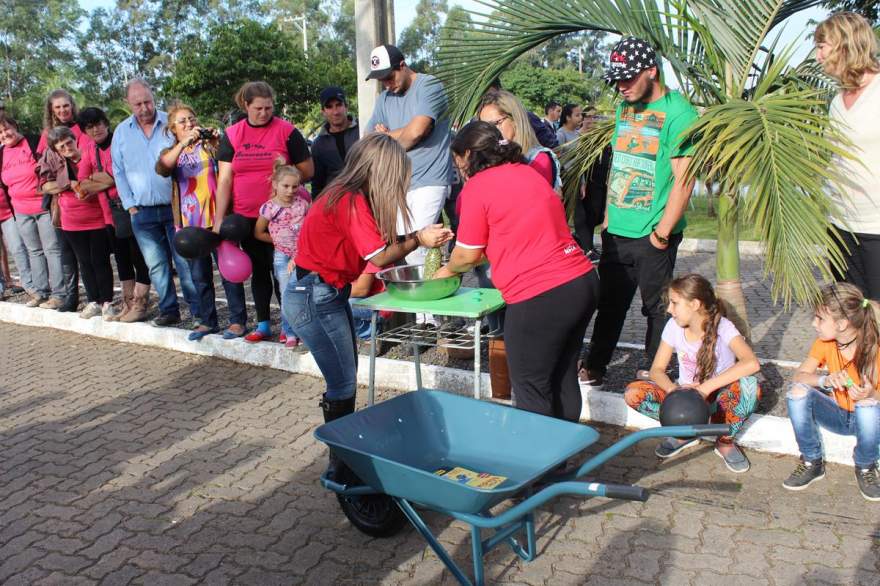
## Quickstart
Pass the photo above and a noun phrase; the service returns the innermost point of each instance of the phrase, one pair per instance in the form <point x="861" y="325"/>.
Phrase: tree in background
<point x="419" y="41"/>
<point x="536" y="86"/>
<point x="870" y="9"/>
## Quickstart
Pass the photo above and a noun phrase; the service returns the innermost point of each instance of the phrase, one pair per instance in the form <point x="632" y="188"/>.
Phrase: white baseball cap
<point x="383" y="60"/>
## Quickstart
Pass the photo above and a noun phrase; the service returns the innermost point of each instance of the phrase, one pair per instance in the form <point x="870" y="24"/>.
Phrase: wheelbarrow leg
<point x="420" y="526"/>
<point x="371" y="387"/>
<point x="418" y="364"/>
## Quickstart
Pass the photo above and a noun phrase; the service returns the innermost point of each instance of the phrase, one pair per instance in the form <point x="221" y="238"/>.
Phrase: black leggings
<point x="862" y="263"/>
<point x="543" y="337"/>
<point x="262" y="279"/>
<point x="92" y="250"/>
<point x="129" y="260"/>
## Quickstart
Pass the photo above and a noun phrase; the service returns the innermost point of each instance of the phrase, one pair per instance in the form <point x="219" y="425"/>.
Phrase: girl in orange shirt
<point x="844" y="401"/>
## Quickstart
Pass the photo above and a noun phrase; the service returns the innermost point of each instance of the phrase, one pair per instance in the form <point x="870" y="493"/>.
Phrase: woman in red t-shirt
<point x="354" y="221"/>
<point x="513" y="217"/>
<point x="82" y="217"/>
<point x="246" y="159"/>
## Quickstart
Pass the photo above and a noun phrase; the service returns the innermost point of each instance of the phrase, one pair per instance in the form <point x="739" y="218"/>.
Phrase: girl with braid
<point x="713" y="358"/>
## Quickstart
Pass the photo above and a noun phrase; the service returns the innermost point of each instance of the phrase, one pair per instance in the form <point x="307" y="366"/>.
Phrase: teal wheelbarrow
<point x="462" y="457"/>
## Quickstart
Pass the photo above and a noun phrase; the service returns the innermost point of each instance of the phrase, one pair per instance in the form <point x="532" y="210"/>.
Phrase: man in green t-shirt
<point x="647" y="197"/>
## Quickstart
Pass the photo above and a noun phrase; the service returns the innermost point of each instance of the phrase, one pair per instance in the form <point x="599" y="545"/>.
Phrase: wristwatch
<point x="660" y="239"/>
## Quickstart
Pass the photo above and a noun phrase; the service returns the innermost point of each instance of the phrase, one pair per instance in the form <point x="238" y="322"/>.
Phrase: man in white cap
<point x="412" y="110"/>
<point x="647" y="197"/>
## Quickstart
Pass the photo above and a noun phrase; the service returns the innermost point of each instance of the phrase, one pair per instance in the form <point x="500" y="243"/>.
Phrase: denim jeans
<point x="14" y="244"/>
<point x="321" y="316"/>
<point x="154" y="230"/>
<point x="816" y="409"/>
<point x="44" y="253"/>
<point x="202" y="272"/>
<point x="362" y="321"/>
<point x="280" y="262"/>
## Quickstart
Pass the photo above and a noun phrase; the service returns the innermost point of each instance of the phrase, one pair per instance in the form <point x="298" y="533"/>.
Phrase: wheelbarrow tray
<point x="398" y="446"/>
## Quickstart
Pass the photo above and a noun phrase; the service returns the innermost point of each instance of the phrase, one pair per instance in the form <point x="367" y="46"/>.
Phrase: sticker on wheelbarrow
<point x="470" y="478"/>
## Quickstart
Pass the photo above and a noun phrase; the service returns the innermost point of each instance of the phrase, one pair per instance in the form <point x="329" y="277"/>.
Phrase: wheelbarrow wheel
<point x="377" y="515"/>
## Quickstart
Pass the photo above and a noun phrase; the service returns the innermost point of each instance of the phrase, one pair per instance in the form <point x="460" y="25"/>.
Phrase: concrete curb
<point x="766" y="433"/>
<point x="746" y="247"/>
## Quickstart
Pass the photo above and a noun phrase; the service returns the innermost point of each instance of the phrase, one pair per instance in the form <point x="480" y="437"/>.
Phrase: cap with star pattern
<point x="630" y="57"/>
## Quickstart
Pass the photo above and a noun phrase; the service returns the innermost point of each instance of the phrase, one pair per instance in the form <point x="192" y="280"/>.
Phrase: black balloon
<point x="192" y="242"/>
<point x="235" y="227"/>
<point x="684" y="406"/>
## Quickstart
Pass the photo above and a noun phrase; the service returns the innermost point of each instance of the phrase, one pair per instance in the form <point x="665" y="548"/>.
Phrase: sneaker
<point x="35" y="301"/>
<point x="52" y="303"/>
<point x="805" y="474"/>
<point x="92" y="309"/>
<point x="291" y="342"/>
<point x="166" y="319"/>
<point x="282" y="338"/>
<point x="869" y="482"/>
<point x="590" y="379"/>
<point x="734" y="459"/>
<point x="671" y="446"/>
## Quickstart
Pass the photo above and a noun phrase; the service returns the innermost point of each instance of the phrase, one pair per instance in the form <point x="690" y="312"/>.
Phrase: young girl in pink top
<point x="82" y="217"/>
<point x="279" y="224"/>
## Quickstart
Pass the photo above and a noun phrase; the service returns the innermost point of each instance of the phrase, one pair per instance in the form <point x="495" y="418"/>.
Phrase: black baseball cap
<point x="332" y="93"/>
<point x="628" y="58"/>
<point x="383" y="60"/>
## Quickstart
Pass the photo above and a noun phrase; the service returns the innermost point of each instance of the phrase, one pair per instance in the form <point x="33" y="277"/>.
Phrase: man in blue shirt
<point x="412" y="110"/>
<point x="137" y="142"/>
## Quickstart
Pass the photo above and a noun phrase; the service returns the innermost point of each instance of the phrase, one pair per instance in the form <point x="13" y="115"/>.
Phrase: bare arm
<point x="224" y="193"/>
<point x="306" y="169"/>
<point x="460" y="261"/>
<point x="361" y="287"/>
<point x="98" y="182"/>
<point x="746" y="364"/>
<point x="679" y="197"/>
<point x="51" y="187"/>
<point x="412" y="134"/>
<point x="429" y="236"/>
<point x="659" y="366"/>
<point x="261" y="230"/>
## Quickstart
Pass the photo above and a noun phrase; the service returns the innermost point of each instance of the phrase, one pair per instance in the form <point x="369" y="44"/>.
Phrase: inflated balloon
<point x="192" y="242"/>
<point x="235" y="265"/>
<point x="235" y="227"/>
<point x="684" y="406"/>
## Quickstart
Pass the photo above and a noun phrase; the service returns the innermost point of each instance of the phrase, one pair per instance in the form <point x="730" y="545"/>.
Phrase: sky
<point x="404" y="11"/>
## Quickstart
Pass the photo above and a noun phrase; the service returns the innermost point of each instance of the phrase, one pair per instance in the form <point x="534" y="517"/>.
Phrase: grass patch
<point x="701" y="225"/>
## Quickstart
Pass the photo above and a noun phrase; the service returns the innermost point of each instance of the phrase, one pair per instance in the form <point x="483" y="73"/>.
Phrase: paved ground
<point x="125" y="464"/>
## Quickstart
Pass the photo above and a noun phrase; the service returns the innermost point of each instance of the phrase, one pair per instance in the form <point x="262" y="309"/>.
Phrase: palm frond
<point x="577" y="159"/>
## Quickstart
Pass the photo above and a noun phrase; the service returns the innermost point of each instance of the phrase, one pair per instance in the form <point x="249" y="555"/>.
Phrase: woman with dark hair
<point x="512" y="216"/>
<point x="134" y="276"/>
<point x="354" y="221"/>
<point x="246" y="157"/>
<point x="569" y="124"/>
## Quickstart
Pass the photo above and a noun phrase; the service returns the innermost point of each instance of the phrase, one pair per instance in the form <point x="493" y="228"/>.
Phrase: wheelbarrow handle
<point x="712" y="429"/>
<point x="626" y="492"/>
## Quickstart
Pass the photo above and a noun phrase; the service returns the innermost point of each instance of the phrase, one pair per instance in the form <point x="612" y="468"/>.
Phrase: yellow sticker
<point x="470" y="478"/>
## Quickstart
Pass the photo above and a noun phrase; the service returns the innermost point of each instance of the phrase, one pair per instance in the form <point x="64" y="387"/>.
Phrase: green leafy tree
<point x="419" y="41"/>
<point x="536" y="86"/>
<point x="209" y="72"/>
<point x="763" y="136"/>
<point x="870" y="9"/>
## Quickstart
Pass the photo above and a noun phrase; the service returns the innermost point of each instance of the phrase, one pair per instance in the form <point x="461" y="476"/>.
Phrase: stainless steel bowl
<point x="408" y="282"/>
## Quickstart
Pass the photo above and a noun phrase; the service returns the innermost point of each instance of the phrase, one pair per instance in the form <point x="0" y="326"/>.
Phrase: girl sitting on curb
<point x="713" y="358"/>
<point x="844" y="401"/>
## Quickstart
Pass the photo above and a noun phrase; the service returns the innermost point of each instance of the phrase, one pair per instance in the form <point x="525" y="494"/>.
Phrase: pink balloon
<point x="235" y="265"/>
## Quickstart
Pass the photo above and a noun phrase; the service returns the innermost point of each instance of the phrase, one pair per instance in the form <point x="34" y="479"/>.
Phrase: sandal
<point x="197" y="334"/>
<point x="257" y="336"/>
<point x="228" y="334"/>
<point x="282" y="338"/>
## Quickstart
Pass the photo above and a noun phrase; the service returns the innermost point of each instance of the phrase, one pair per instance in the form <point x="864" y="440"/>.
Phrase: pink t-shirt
<point x="673" y="334"/>
<point x="83" y="214"/>
<point x="5" y="210"/>
<point x="20" y="176"/>
<point x="285" y="223"/>
<point x="514" y="214"/>
<point x="256" y="148"/>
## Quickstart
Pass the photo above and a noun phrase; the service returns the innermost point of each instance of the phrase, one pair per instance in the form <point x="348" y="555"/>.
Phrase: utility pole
<point x="374" y="26"/>
<point x="301" y="23"/>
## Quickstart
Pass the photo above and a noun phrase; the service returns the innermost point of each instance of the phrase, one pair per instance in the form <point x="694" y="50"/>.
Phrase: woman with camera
<point x="246" y="156"/>
<point x="191" y="162"/>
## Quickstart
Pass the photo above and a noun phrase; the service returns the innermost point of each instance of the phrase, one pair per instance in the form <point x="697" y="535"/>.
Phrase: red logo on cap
<point x="617" y="57"/>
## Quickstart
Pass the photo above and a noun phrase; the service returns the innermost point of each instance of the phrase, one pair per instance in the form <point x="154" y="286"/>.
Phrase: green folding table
<point x="466" y="302"/>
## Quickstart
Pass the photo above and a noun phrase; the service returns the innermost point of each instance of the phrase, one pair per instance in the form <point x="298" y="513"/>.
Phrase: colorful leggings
<point x="731" y="404"/>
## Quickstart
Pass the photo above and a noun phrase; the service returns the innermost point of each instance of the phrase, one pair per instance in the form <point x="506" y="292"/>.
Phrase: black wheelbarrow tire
<point x="376" y="515"/>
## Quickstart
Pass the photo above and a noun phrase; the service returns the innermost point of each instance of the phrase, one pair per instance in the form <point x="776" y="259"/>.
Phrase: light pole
<point x="301" y="23"/>
<point x="374" y="26"/>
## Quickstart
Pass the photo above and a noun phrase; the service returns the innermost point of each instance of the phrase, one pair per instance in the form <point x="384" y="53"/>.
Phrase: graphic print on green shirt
<point x="646" y="139"/>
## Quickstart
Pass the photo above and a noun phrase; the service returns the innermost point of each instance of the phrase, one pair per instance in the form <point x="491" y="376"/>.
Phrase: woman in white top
<point x="847" y="49"/>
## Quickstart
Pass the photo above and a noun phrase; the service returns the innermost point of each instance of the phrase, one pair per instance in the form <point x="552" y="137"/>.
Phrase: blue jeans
<point x="362" y="321"/>
<point x="321" y="316"/>
<point x="44" y="253"/>
<point x="816" y="409"/>
<point x="282" y="276"/>
<point x="14" y="244"/>
<point x="153" y="229"/>
<point x="202" y="272"/>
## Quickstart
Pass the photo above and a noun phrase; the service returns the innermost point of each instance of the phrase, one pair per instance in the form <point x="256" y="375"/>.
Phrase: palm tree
<point x="763" y="134"/>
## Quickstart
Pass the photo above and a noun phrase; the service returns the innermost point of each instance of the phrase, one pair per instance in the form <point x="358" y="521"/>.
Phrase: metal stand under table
<point x="466" y="302"/>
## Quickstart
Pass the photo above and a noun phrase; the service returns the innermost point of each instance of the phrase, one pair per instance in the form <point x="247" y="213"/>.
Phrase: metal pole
<point x="374" y="26"/>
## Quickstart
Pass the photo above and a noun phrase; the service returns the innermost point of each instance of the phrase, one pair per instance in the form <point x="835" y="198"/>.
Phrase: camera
<point x="206" y="133"/>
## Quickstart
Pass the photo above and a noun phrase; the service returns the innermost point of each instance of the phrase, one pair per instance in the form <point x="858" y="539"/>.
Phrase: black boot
<point x="334" y="410"/>
<point x="71" y="304"/>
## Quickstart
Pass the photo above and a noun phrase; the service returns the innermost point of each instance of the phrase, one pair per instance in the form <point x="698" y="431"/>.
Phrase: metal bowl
<point x="408" y="282"/>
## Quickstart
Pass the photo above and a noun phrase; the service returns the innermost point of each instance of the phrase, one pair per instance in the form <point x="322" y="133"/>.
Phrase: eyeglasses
<point x="500" y="121"/>
<point x="191" y="120"/>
